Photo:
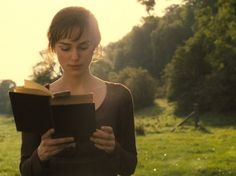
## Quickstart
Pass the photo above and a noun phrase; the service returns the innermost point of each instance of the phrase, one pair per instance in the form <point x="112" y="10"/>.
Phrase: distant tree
<point x="173" y="30"/>
<point x="221" y="36"/>
<point x="185" y="73"/>
<point x="191" y="50"/>
<point x="203" y="70"/>
<point x="101" y="68"/>
<point x="5" y="86"/>
<point x="46" y="71"/>
<point x="149" y="4"/>
<point x="134" y="50"/>
<point x="152" y="45"/>
<point x="141" y="84"/>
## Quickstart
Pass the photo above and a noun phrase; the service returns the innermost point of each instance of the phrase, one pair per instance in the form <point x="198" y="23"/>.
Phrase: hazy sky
<point x="24" y="25"/>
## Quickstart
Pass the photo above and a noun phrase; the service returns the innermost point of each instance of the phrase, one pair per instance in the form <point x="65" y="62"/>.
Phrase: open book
<point x="36" y="109"/>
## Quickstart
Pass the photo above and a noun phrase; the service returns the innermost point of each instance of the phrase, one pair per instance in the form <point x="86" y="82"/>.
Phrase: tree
<point x="46" y="71"/>
<point x="173" y="30"/>
<point x="134" y="50"/>
<point x="203" y="70"/>
<point x="137" y="80"/>
<point x="101" y="68"/>
<point x="5" y="105"/>
<point x="152" y="45"/>
<point x="186" y="72"/>
<point x="149" y="4"/>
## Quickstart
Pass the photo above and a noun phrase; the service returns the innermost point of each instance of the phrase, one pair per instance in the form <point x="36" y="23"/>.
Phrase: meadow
<point x="207" y="151"/>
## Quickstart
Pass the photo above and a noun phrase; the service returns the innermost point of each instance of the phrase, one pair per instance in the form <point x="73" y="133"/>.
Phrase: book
<point x="36" y="109"/>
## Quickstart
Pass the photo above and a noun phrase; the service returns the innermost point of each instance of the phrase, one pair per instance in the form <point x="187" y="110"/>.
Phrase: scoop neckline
<point x="103" y="101"/>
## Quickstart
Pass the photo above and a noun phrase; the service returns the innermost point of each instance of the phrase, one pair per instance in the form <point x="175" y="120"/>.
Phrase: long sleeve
<point x="30" y="165"/>
<point x="124" y="157"/>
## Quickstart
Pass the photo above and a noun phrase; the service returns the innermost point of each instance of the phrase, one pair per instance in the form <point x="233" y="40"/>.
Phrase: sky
<point x="24" y="25"/>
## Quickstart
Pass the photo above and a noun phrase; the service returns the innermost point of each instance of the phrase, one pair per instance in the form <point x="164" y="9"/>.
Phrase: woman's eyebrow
<point x="64" y="43"/>
<point x="80" y="43"/>
<point x="84" y="42"/>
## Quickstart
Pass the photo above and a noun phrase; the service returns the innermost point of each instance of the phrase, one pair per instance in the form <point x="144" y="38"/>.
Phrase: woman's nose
<point x="75" y="54"/>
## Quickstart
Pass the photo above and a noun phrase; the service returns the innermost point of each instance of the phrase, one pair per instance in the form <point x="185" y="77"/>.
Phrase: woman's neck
<point x="77" y="84"/>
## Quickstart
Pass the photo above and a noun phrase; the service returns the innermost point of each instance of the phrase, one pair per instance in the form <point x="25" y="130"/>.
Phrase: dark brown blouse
<point x="86" y="160"/>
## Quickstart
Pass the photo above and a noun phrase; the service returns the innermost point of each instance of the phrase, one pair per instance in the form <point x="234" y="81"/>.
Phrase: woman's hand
<point x="49" y="146"/>
<point x="104" y="139"/>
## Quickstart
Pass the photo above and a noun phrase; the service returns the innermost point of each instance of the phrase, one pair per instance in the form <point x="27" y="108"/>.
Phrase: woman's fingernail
<point x="71" y="145"/>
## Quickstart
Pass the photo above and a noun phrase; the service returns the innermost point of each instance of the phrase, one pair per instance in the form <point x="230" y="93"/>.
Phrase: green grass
<point x="187" y="153"/>
<point x="207" y="151"/>
<point x="9" y="148"/>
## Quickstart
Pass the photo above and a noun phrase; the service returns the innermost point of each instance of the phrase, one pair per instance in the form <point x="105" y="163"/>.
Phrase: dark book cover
<point x="68" y="115"/>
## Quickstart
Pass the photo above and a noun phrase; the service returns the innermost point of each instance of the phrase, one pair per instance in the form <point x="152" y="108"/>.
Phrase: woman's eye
<point x="83" y="47"/>
<point x="65" y="49"/>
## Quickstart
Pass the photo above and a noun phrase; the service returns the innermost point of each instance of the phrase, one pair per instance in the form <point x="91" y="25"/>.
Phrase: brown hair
<point x="69" y="18"/>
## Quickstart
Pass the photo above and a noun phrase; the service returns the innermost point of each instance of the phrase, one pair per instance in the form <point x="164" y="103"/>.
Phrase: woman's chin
<point x="75" y="73"/>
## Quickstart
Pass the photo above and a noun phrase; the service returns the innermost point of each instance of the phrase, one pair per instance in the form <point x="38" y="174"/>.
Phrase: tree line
<point x="190" y="52"/>
<point x="187" y="56"/>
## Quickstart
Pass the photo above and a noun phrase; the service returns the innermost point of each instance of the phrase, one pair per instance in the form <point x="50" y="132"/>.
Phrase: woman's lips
<point x="75" y="66"/>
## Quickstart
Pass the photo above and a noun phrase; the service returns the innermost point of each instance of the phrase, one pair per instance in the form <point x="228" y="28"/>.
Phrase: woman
<point x="73" y="36"/>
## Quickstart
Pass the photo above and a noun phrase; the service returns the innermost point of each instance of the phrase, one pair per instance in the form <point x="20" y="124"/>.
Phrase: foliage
<point x="141" y="84"/>
<point x="101" y="68"/>
<point x="5" y="105"/>
<point x="190" y="51"/>
<point x="152" y="45"/>
<point x="203" y="70"/>
<point x="174" y="28"/>
<point x="134" y="50"/>
<point x="185" y="74"/>
<point x="149" y="4"/>
<point x="46" y="71"/>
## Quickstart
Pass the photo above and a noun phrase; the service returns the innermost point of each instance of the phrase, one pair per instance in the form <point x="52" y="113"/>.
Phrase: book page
<point x="33" y="85"/>
<point x="72" y="99"/>
<point x="29" y="91"/>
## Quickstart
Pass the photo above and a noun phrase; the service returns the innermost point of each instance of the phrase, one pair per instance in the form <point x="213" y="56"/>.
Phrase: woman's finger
<point x="48" y="134"/>
<point x="62" y="146"/>
<point x="105" y="135"/>
<point x="48" y="152"/>
<point x="58" y="141"/>
<point x="108" y="129"/>
<point x="104" y="148"/>
<point x="55" y="151"/>
<point x="102" y="141"/>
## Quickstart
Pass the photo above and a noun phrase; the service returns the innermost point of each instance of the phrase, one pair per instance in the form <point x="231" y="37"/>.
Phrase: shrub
<point x="141" y="84"/>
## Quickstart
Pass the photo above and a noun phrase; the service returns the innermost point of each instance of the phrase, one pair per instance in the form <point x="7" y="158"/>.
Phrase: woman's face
<point x="75" y="56"/>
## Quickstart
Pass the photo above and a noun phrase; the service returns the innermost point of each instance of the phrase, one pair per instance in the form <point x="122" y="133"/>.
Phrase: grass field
<point x="208" y="151"/>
